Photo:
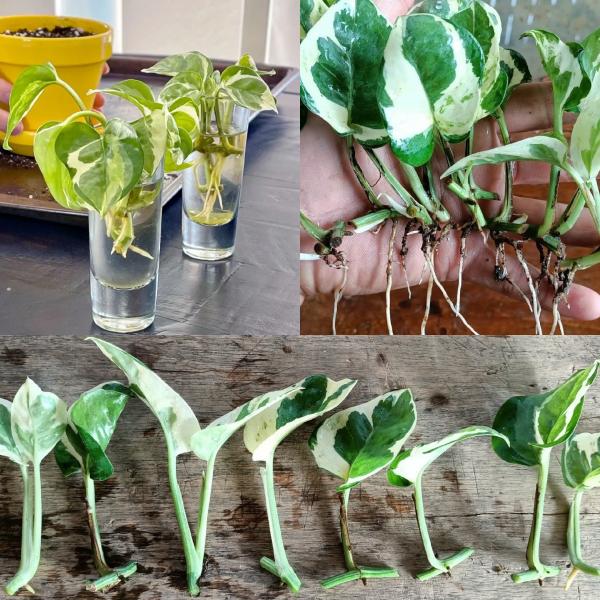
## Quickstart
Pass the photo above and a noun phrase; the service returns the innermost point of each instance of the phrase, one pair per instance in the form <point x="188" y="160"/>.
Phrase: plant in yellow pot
<point x="79" y="60"/>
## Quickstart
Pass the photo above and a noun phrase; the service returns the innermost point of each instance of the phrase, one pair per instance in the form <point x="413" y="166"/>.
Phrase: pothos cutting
<point x="420" y="86"/>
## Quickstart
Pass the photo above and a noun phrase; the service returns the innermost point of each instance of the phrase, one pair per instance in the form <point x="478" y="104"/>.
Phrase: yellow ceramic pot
<point x="79" y="61"/>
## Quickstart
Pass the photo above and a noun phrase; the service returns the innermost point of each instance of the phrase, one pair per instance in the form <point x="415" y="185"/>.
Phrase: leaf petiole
<point x="207" y="481"/>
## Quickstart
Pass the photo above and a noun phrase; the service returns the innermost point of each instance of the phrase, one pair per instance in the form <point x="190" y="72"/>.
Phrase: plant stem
<point x="373" y="219"/>
<point x="88" y="114"/>
<point x="280" y="567"/>
<point x="574" y="541"/>
<point x="92" y="519"/>
<point x="207" y="481"/>
<point x="30" y="560"/>
<point x="73" y="94"/>
<point x="506" y="212"/>
<point x="537" y="570"/>
<point x="582" y="263"/>
<point x="312" y="228"/>
<point x="549" y="213"/>
<point x="417" y="187"/>
<point x="571" y="215"/>
<point x="194" y="565"/>
<point x="371" y="195"/>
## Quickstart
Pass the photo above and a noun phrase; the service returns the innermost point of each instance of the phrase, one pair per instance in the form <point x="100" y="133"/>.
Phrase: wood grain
<point x="488" y="311"/>
<point x="472" y="497"/>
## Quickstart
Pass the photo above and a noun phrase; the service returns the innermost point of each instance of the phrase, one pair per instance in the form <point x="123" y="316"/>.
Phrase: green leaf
<point x="56" y="175"/>
<point x="188" y="84"/>
<point x="562" y="67"/>
<point x="590" y="56"/>
<point x="246" y="88"/>
<point x="178" y="421"/>
<point x="585" y="139"/>
<point x="179" y="146"/>
<point x="8" y="447"/>
<point x="319" y="394"/>
<point x="358" y="442"/>
<point x="339" y="60"/>
<point x="516" y="66"/>
<point x="24" y="94"/>
<point x="208" y="441"/>
<point x="38" y="421"/>
<point x="104" y="168"/>
<point x="539" y="421"/>
<point x="310" y="12"/>
<point x="543" y="148"/>
<point x="408" y="466"/>
<point x="65" y="460"/>
<point x="152" y="134"/>
<point x="247" y="61"/>
<point x="181" y="63"/>
<point x="497" y="95"/>
<point x="581" y="461"/>
<point x="430" y="79"/>
<point x="441" y="8"/>
<point x="137" y="92"/>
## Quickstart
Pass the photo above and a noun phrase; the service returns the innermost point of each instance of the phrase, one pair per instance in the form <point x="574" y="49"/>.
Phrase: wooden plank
<point x="472" y="497"/>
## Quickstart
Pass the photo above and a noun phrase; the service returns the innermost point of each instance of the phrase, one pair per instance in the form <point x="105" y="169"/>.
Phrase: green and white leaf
<point x="38" y="421"/>
<point x="246" y="88"/>
<point x="441" y="8"/>
<point x="431" y="77"/>
<point x="152" y="134"/>
<point x="408" y="466"/>
<point x="581" y="461"/>
<point x="585" y="139"/>
<point x="8" y="448"/>
<point x="516" y="66"/>
<point x="180" y="63"/>
<point x="533" y="423"/>
<point x="339" y="60"/>
<point x="310" y="12"/>
<point x="187" y="84"/>
<point x="25" y="92"/>
<point x="543" y="148"/>
<point x="178" y="421"/>
<point x="137" y="92"/>
<point x="358" y="442"/>
<point x="104" y="167"/>
<point x="562" y="66"/>
<point x="56" y="175"/>
<point x="590" y="56"/>
<point x="319" y="394"/>
<point x="207" y="442"/>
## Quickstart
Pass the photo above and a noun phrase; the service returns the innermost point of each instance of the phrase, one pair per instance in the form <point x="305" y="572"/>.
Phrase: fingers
<point x="5" y="89"/>
<point x="99" y="101"/>
<point x="583" y="234"/>
<point x="105" y="69"/>
<point x="531" y="107"/>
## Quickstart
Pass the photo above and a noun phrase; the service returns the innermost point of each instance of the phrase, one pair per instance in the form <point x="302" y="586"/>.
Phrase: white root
<point x="389" y="273"/>
<point x="535" y="303"/>
<point x="338" y="296"/>
<point x="430" y="261"/>
<point x="461" y="266"/>
<point x="427" y="306"/>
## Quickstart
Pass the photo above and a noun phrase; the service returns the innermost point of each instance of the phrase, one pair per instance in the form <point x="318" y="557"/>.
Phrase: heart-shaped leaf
<point x="27" y="89"/>
<point x="409" y="465"/>
<point x="581" y="461"/>
<point x="339" y="60"/>
<point x="178" y="421"/>
<point x="38" y="421"/>
<point x="516" y="66"/>
<point x="318" y="395"/>
<point x="8" y="447"/>
<point x="137" y="92"/>
<point x="358" y="442"/>
<point x="590" y="56"/>
<point x="585" y="139"/>
<point x="181" y="63"/>
<point x="152" y="133"/>
<point x="246" y="88"/>
<point x="104" y="167"/>
<point x="540" y="421"/>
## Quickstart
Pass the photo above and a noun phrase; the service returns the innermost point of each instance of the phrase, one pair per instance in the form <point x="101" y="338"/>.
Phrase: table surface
<point x="456" y="382"/>
<point x="44" y="267"/>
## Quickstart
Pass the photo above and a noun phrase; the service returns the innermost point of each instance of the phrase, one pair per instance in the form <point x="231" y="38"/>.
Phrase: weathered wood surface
<point x="472" y="497"/>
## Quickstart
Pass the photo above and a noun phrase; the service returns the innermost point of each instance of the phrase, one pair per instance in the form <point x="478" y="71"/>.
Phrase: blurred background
<point x="267" y="29"/>
<point x="488" y="311"/>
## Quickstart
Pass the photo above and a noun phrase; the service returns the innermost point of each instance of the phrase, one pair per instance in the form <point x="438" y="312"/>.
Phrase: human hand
<point x="330" y="192"/>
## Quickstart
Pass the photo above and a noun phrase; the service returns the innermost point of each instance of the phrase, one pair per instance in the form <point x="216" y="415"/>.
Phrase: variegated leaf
<point x="408" y="466"/>
<point x="208" y="441"/>
<point x="104" y="168"/>
<point x="339" y="61"/>
<point x="137" y="92"/>
<point x="319" y="394"/>
<point x="441" y="8"/>
<point x="358" y="442"/>
<point x="534" y="423"/>
<point x="431" y="78"/>
<point x="8" y="448"/>
<point x="310" y="12"/>
<point x="585" y="139"/>
<point x="246" y="88"/>
<point x="590" y="57"/>
<point x="562" y="67"/>
<point x="543" y="148"/>
<point x="177" y="419"/>
<point x="181" y="63"/>
<point x="38" y="421"/>
<point x="581" y="461"/>
<point x="151" y="131"/>
<point x="516" y="67"/>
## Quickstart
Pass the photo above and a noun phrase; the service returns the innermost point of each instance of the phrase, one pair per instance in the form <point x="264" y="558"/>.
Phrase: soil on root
<point x="45" y="32"/>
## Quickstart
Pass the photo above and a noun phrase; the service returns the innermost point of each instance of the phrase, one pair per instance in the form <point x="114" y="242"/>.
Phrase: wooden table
<point x="489" y="312"/>
<point x="472" y="497"/>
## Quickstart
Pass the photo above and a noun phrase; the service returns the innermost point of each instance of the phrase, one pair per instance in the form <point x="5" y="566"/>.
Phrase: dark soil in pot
<point x="44" y="32"/>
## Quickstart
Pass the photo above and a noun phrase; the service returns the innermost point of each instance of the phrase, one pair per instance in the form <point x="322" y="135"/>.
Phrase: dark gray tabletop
<point x="44" y="267"/>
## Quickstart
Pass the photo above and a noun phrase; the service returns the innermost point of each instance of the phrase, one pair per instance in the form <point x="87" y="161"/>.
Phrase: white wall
<point x="268" y="29"/>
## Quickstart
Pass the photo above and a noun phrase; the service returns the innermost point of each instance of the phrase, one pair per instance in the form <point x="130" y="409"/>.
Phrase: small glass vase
<point x="213" y="185"/>
<point x="123" y="288"/>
